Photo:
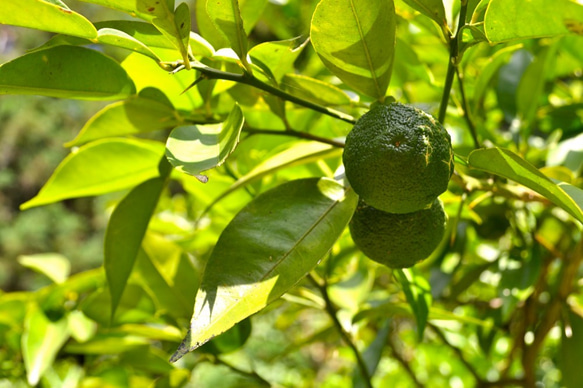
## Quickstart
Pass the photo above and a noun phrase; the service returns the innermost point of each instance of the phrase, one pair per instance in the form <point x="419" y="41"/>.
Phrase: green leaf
<point x="265" y="250"/>
<point x="145" y="9"/>
<point x="418" y="293"/>
<point x="571" y="344"/>
<point x="532" y="83"/>
<point x="176" y="27"/>
<point x="100" y="167"/>
<point x="277" y="58"/>
<point x="300" y="153"/>
<point x="193" y="149"/>
<point x="356" y="40"/>
<point x="314" y="90"/>
<point x="66" y="72"/>
<point x="53" y="265"/>
<point x="126" y="229"/>
<point x="146" y="74"/>
<point x="168" y="276"/>
<point x="118" y="38"/>
<point x="372" y="355"/>
<point x="42" y="15"/>
<point x="226" y="17"/>
<point x="507" y="164"/>
<point x="149" y="35"/>
<point x="431" y="8"/>
<point x="41" y="341"/>
<point x="490" y="69"/>
<point x="518" y="19"/>
<point x="137" y="114"/>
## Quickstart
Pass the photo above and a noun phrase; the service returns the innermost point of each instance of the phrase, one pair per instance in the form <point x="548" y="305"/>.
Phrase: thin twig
<point x="332" y="312"/>
<point x="453" y="62"/>
<point x="458" y="353"/>
<point x="293" y="133"/>
<point x="401" y="360"/>
<point x="249" y="79"/>
<point x="466" y="108"/>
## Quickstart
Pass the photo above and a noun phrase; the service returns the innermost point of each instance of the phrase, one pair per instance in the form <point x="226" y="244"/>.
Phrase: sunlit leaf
<point x="41" y="341"/>
<point x="356" y="40"/>
<point x="66" y="72"/>
<point x="195" y="148"/>
<point x="145" y="9"/>
<point x="299" y="153"/>
<point x="119" y="38"/>
<point x="42" y="15"/>
<point x="431" y="8"/>
<point x="175" y="25"/>
<point x="226" y="16"/>
<point x="277" y="58"/>
<point x="53" y="265"/>
<point x="518" y="19"/>
<point x="372" y="355"/>
<point x="100" y="167"/>
<point x="137" y="114"/>
<point x="266" y="249"/>
<point x="126" y="229"/>
<point x="314" y="90"/>
<point x="147" y="74"/>
<point x="507" y="164"/>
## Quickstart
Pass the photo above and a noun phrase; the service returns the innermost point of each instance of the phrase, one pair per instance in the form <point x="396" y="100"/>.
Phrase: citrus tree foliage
<point x="227" y="257"/>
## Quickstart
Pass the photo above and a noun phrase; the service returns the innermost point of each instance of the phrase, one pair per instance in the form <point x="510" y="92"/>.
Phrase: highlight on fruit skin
<point x="398" y="158"/>
<point x="398" y="240"/>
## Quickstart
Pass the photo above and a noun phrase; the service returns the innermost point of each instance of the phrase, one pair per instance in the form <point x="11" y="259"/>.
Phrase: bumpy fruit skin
<point x="397" y="240"/>
<point x="398" y="158"/>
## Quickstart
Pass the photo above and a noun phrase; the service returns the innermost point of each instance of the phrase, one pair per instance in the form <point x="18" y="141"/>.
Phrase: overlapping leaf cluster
<point x="225" y="145"/>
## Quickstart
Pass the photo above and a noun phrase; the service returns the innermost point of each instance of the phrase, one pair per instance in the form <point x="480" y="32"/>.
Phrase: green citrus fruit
<point x="398" y="158"/>
<point x="397" y="240"/>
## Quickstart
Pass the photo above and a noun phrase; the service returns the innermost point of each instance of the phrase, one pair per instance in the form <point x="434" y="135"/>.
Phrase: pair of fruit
<point x="398" y="159"/>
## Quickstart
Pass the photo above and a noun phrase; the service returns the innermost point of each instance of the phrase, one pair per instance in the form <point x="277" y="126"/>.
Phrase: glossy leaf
<point x="149" y="35"/>
<point x="517" y="19"/>
<point x="126" y="229"/>
<point x="277" y="58"/>
<point x="265" y="250"/>
<point x="507" y="164"/>
<point x="195" y="148"/>
<point x="356" y="40"/>
<point x="100" y="167"/>
<point x="431" y="8"/>
<point x="176" y="27"/>
<point x="418" y="293"/>
<point x="42" y="15"/>
<point x="300" y="153"/>
<point x="119" y="38"/>
<point x="41" y="341"/>
<point x="137" y="114"/>
<point x="146" y="74"/>
<point x="145" y="9"/>
<point x="66" y="72"/>
<point x="314" y="90"/>
<point x="226" y="17"/>
<point x="53" y="265"/>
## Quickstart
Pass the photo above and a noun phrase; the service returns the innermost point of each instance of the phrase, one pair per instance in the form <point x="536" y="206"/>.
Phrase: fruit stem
<point x="251" y="80"/>
<point x="453" y="61"/>
<point x="332" y="312"/>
